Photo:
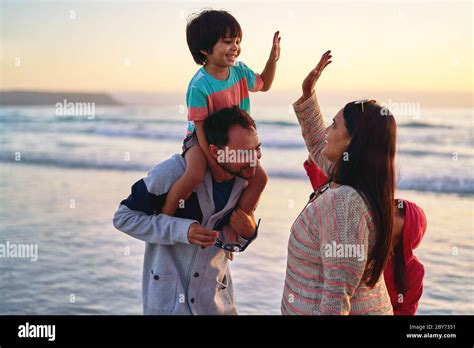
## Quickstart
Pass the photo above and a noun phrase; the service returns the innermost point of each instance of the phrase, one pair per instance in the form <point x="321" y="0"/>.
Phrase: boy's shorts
<point x="189" y="142"/>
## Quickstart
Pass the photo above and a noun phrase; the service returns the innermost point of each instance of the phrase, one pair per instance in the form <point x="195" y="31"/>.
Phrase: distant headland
<point x="33" y="98"/>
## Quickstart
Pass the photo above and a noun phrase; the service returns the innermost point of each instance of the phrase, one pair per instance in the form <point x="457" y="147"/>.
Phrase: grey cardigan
<point x="178" y="277"/>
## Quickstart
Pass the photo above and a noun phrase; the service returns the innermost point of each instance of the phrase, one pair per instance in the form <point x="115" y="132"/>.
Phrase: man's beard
<point x="239" y="174"/>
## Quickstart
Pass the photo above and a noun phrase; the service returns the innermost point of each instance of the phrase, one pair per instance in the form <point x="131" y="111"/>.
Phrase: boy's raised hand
<point x="275" y="52"/>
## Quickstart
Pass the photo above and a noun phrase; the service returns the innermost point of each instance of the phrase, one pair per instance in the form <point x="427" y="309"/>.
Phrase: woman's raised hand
<point x="313" y="76"/>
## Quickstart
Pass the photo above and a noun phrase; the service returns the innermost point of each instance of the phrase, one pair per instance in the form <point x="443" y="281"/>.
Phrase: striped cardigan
<point x="329" y="243"/>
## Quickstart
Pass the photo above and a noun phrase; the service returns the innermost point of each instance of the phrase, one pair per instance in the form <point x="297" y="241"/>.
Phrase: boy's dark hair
<point x="217" y="125"/>
<point x="205" y="29"/>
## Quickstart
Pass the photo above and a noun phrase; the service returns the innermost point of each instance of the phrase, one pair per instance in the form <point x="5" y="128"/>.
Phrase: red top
<point x="413" y="231"/>
<point x="316" y="176"/>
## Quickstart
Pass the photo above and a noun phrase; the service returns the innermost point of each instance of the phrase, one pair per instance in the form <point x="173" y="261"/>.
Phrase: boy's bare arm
<point x="268" y="73"/>
<point x="203" y="142"/>
<point x="217" y="171"/>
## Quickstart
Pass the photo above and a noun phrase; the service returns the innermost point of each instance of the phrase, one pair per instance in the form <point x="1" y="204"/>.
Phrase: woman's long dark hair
<point x="399" y="267"/>
<point x="368" y="165"/>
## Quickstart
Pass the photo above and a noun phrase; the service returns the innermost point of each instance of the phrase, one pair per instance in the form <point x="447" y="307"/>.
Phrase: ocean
<point x="62" y="178"/>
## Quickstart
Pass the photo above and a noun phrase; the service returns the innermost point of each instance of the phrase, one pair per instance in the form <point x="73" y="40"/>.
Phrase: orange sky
<point x="140" y="46"/>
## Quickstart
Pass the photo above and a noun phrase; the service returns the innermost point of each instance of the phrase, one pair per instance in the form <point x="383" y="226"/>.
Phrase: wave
<point x="16" y="116"/>
<point x="277" y="123"/>
<point x="49" y="119"/>
<point x="438" y="184"/>
<point x="137" y="133"/>
<point x="174" y="131"/>
<point x="269" y="141"/>
<point x="423" y="125"/>
<point x="76" y="164"/>
<point x="272" y="143"/>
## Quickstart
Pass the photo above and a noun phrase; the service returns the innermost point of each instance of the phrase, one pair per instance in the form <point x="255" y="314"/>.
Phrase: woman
<point x="403" y="273"/>
<point x="340" y="242"/>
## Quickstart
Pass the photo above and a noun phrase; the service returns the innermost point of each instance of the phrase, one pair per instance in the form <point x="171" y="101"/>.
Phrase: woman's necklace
<point x="318" y="192"/>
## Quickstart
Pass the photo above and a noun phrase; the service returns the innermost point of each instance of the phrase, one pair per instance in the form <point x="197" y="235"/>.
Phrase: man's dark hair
<point x="205" y="29"/>
<point x="217" y="125"/>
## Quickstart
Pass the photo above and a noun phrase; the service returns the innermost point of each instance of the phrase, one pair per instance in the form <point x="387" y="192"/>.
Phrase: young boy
<point x="214" y="39"/>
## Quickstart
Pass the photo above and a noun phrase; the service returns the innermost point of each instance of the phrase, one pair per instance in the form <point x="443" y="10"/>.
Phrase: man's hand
<point x="243" y="223"/>
<point x="201" y="236"/>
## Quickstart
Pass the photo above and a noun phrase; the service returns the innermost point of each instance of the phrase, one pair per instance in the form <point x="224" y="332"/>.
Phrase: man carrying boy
<point x="185" y="268"/>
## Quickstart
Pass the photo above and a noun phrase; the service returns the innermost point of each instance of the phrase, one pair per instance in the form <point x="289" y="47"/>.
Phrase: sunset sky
<point x="141" y="46"/>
